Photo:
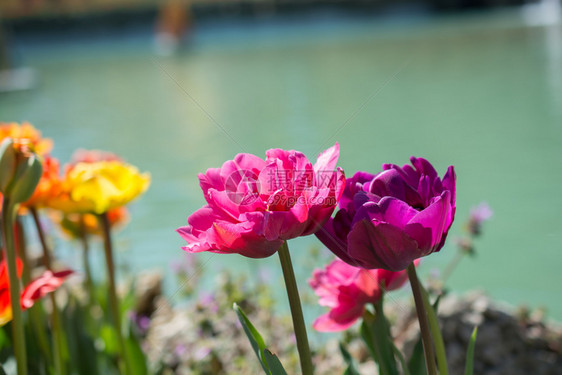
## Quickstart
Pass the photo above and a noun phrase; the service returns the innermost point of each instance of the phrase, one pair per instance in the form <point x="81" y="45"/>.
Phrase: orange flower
<point x="92" y="156"/>
<point x="26" y="131"/>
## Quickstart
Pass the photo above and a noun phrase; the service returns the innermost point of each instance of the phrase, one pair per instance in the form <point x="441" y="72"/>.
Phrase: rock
<point x="508" y="342"/>
<point x="147" y="288"/>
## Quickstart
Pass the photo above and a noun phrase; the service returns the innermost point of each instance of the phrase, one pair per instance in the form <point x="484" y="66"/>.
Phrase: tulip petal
<point x="327" y="236"/>
<point x="46" y="283"/>
<point x="391" y="280"/>
<point x="389" y="210"/>
<point x="211" y="179"/>
<point x="409" y="174"/>
<point x="449" y="183"/>
<point x="423" y="167"/>
<point x="249" y="162"/>
<point x="391" y="183"/>
<point x="283" y="225"/>
<point x="381" y="245"/>
<point x="428" y="226"/>
<point x="339" y="318"/>
<point x="327" y="159"/>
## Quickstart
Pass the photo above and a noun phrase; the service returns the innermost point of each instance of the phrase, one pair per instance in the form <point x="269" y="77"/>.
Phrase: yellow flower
<point x="99" y="187"/>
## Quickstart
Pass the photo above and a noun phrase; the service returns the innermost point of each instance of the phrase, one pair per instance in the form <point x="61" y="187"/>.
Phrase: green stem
<point x="452" y="265"/>
<point x="436" y="333"/>
<point x="58" y="338"/>
<point x="36" y="311"/>
<point x="383" y="340"/>
<point x="86" y="263"/>
<point x="8" y="216"/>
<point x="296" y="310"/>
<point x="422" y="318"/>
<point x="46" y="252"/>
<point x="113" y="300"/>
<point x="20" y="245"/>
<point x="38" y="318"/>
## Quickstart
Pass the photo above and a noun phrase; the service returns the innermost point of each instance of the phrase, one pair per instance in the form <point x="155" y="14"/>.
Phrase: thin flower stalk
<point x="422" y="318"/>
<point x="36" y="312"/>
<point x="86" y="263"/>
<point x="8" y="217"/>
<point x="296" y="310"/>
<point x="58" y="334"/>
<point x="113" y="300"/>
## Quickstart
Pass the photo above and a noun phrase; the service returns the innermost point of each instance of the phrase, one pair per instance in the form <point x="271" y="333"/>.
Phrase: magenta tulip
<point x="253" y="205"/>
<point x="346" y="290"/>
<point x="389" y="219"/>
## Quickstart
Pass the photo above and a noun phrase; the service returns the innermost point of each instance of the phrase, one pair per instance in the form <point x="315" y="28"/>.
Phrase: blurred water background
<point x="481" y="91"/>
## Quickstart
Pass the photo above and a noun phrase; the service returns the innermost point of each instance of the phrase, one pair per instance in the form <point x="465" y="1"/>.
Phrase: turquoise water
<point x="481" y="92"/>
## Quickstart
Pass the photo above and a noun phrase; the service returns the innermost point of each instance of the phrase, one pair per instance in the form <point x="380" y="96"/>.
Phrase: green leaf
<point x="469" y="368"/>
<point x="4" y="339"/>
<point x="383" y="341"/>
<point x="375" y="331"/>
<point x="82" y="355"/>
<point x="254" y="336"/>
<point x="110" y="339"/>
<point x="401" y="359"/>
<point x="275" y="365"/>
<point x="351" y="368"/>
<point x="136" y="356"/>
<point x="416" y="365"/>
<point x="365" y="332"/>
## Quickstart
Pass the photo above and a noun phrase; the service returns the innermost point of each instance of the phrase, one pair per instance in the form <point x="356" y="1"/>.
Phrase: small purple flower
<point x="142" y="322"/>
<point x="207" y="300"/>
<point x="201" y="353"/>
<point x="390" y="219"/>
<point x="481" y="213"/>
<point x="478" y="215"/>
<point x="180" y="350"/>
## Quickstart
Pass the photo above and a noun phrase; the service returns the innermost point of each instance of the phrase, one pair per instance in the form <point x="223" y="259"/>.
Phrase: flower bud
<point x="7" y="163"/>
<point x="26" y="182"/>
<point x="20" y="171"/>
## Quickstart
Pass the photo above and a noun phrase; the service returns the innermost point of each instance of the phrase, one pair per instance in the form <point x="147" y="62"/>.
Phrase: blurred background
<point x="176" y="87"/>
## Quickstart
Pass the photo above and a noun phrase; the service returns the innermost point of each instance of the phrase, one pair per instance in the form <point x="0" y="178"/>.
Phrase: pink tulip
<point x="346" y="290"/>
<point x="390" y="219"/>
<point x="253" y="205"/>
